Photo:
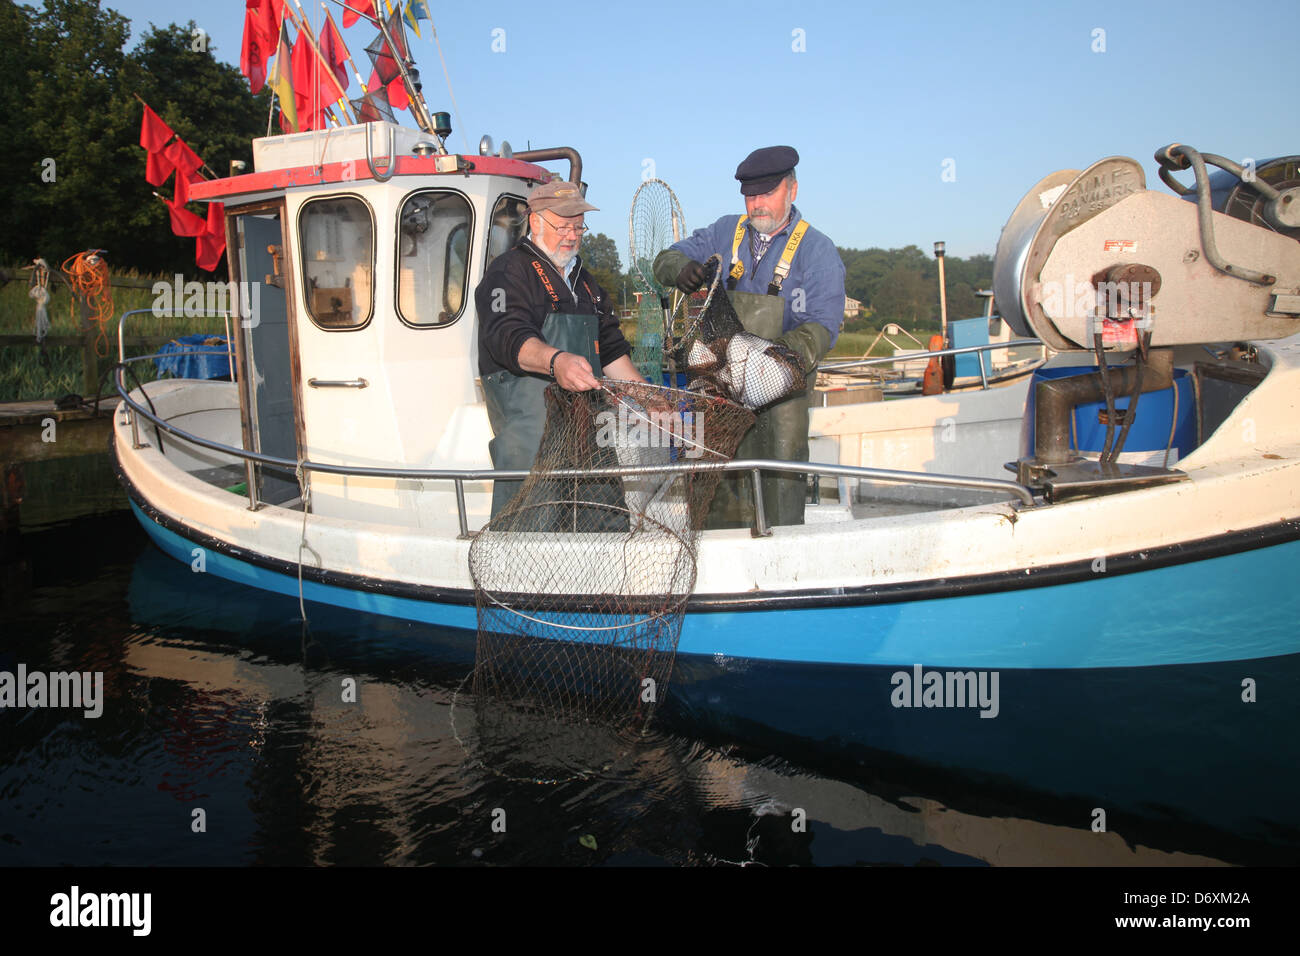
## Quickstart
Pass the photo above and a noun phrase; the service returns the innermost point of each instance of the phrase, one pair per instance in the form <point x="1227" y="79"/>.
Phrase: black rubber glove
<point x="691" y="277"/>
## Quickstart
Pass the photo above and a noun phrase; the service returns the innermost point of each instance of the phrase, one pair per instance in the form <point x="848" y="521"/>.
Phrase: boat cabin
<point x="359" y="250"/>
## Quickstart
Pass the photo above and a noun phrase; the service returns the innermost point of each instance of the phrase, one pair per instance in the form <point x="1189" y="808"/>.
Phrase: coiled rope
<point x="87" y="274"/>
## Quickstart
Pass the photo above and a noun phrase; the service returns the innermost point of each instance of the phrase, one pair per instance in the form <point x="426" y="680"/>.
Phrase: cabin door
<point x="348" y="361"/>
<point x="266" y="348"/>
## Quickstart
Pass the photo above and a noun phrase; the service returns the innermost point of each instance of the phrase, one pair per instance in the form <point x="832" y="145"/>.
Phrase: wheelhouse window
<point x="433" y="242"/>
<point x="509" y="222"/>
<point x="337" y="236"/>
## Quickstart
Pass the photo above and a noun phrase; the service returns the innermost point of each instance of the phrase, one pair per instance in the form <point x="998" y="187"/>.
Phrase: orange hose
<point x="87" y="274"/>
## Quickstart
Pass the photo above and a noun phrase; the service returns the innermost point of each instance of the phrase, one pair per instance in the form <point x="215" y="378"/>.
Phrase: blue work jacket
<point x="814" y="289"/>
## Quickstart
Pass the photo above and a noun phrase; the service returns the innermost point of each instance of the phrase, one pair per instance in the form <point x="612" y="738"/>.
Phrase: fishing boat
<point x="982" y="354"/>
<point x="356" y="377"/>
<point x="1042" y="527"/>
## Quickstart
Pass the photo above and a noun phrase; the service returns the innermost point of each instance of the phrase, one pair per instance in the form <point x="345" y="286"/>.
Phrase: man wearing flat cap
<point x="542" y="318"/>
<point x="786" y="281"/>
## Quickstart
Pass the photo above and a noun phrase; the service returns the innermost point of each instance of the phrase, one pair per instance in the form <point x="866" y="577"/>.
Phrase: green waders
<point x="516" y="408"/>
<point x="780" y="431"/>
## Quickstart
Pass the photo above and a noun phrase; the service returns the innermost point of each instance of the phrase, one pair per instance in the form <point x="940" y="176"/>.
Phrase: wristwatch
<point x="554" y="355"/>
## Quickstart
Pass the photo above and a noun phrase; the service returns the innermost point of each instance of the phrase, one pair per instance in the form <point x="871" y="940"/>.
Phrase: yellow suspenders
<point x="782" y="267"/>
<point x="737" y="267"/>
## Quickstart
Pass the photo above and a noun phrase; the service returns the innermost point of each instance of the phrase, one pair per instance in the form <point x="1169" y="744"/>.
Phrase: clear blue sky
<point x="876" y="101"/>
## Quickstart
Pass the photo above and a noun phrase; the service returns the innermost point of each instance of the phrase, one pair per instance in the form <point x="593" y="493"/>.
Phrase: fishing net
<point x="581" y="581"/>
<point x="721" y="358"/>
<point x="648" y="345"/>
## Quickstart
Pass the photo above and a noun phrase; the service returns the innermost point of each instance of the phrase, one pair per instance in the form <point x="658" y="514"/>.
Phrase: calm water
<point x="219" y="699"/>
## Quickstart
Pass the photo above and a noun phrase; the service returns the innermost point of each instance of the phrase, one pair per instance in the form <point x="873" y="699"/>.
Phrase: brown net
<point x="581" y="581"/>
<point x="721" y="358"/>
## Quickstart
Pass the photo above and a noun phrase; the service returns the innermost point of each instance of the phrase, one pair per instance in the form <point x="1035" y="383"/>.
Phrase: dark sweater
<point x="512" y="303"/>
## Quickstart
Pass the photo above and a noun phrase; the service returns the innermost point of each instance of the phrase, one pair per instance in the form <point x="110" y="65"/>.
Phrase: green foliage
<point x="600" y="258"/>
<point x="854" y="344"/>
<point x="28" y="372"/>
<point x="902" y="285"/>
<point x="69" y="99"/>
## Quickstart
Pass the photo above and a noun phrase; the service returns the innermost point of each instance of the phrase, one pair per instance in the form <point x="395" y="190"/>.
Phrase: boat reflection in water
<point x="247" y="705"/>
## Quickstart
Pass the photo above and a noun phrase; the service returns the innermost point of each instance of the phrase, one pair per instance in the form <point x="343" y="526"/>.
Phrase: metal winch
<point x="1093" y="261"/>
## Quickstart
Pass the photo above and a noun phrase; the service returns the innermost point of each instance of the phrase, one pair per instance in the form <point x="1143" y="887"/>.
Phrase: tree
<point x="209" y="105"/>
<point x="600" y="258"/>
<point x="73" y="130"/>
<point x="19" y="163"/>
<point x="901" y="283"/>
<point x="905" y="296"/>
<point x="76" y="139"/>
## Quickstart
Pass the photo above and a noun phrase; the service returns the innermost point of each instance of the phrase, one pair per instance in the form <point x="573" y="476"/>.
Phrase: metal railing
<point x="926" y="356"/>
<point x="459" y="476"/>
<point x="189" y="313"/>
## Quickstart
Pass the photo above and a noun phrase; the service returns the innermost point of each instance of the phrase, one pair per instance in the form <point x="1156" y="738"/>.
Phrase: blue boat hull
<point x="1161" y="747"/>
<point x="1237" y="606"/>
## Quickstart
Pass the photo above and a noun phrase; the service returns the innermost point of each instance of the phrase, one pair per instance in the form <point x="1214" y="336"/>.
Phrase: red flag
<point x="334" y="50"/>
<point x="354" y="9"/>
<point x="185" y="160"/>
<point x="211" y="243"/>
<point x="184" y="181"/>
<point x="397" y="97"/>
<point x="157" y="168"/>
<point x="268" y="14"/>
<point x="154" y="133"/>
<point x="252" y="54"/>
<point x="184" y="222"/>
<point x="306" y="101"/>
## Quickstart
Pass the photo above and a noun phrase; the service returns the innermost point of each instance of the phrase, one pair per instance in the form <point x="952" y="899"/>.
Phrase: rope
<point x="454" y="106"/>
<point x="304" y="489"/>
<point x="87" y="274"/>
<point x="1173" y="426"/>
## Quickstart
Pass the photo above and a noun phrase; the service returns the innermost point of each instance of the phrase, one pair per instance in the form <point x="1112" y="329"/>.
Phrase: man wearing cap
<point x="542" y="318"/>
<point x="786" y="281"/>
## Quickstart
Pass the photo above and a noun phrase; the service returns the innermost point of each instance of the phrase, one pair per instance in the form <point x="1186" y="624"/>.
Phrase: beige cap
<point x="560" y="197"/>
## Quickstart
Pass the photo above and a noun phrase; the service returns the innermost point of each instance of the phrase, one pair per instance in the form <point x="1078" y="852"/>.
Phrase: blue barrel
<point x="1150" y="432"/>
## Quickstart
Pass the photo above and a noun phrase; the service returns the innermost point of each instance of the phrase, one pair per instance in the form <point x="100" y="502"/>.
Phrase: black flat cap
<point x="763" y="169"/>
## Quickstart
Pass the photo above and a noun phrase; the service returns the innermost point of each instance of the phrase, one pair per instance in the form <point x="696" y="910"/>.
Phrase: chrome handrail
<point x="927" y="355"/>
<point x="461" y="475"/>
<point x="199" y="313"/>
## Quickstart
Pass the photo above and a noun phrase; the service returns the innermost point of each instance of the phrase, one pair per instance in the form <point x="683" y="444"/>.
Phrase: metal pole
<point x="943" y="294"/>
<point x="250" y="476"/>
<point x="761" y="530"/>
<point x="460" y="508"/>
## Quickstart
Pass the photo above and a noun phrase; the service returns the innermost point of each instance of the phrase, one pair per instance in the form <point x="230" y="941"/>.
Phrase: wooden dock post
<point x="89" y="358"/>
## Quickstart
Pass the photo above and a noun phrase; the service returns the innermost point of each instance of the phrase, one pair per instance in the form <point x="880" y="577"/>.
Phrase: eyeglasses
<point x="570" y="230"/>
